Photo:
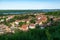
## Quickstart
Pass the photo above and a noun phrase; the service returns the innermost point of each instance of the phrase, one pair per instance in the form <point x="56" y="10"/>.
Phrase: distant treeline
<point x="9" y="12"/>
<point x="56" y="13"/>
<point x="42" y="10"/>
<point x="13" y="11"/>
<point x="48" y="12"/>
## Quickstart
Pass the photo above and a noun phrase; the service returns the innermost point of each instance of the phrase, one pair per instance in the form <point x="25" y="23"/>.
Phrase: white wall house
<point x="32" y="26"/>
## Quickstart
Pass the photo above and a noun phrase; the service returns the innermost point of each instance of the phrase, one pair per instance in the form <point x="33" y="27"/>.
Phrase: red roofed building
<point x="41" y="19"/>
<point x="24" y="27"/>
<point x="44" y="19"/>
<point x="39" y="22"/>
<point x="9" y="17"/>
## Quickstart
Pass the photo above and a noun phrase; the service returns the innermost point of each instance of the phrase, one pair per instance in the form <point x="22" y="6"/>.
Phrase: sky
<point x="29" y="4"/>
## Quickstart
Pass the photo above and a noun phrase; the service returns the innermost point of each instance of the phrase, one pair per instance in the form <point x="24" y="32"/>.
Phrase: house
<point x="13" y="29"/>
<point x="39" y="22"/>
<point x="4" y="28"/>
<point x="22" y="20"/>
<point x="24" y="27"/>
<point x="38" y="17"/>
<point x="1" y="20"/>
<point x="32" y="26"/>
<point x="43" y="26"/>
<point x="35" y="14"/>
<point x="50" y="16"/>
<point x="7" y="29"/>
<point x="12" y="24"/>
<point x="27" y="21"/>
<point x="56" y="19"/>
<point x="17" y="22"/>
<point x="3" y="17"/>
<point x="9" y="17"/>
<point x="41" y="19"/>
<point x="44" y="19"/>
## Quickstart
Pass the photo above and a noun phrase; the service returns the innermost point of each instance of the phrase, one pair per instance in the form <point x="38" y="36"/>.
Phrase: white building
<point x="32" y="26"/>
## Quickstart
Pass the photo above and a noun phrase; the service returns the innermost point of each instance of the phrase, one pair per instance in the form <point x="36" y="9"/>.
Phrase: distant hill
<point x="26" y="11"/>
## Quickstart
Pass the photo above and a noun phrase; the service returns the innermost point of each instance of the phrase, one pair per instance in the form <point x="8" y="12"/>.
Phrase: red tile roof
<point x="24" y="27"/>
<point x="43" y="18"/>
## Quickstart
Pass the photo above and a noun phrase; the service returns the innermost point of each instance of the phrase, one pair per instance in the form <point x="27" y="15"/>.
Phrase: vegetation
<point x="49" y="33"/>
<point x="32" y="21"/>
<point x="21" y="23"/>
<point x="54" y="13"/>
<point x="22" y="11"/>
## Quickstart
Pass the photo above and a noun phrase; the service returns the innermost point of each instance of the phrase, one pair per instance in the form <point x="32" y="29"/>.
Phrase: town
<point x="29" y="25"/>
<point x="25" y="22"/>
<point x="29" y="19"/>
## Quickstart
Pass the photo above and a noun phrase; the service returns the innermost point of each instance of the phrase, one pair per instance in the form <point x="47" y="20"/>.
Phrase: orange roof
<point x="43" y="18"/>
<point x="24" y="27"/>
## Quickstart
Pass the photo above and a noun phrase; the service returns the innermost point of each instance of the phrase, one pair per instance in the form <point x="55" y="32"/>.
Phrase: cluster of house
<point x="6" y="17"/>
<point x="40" y="19"/>
<point x="4" y="29"/>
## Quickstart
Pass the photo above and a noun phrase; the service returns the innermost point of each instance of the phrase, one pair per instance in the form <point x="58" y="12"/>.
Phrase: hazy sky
<point x="29" y="4"/>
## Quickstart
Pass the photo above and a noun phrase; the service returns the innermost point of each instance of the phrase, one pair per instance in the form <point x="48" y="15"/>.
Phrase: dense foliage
<point x="20" y="11"/>
<point x="49" y="33"/>
<point x="55" y="13"/>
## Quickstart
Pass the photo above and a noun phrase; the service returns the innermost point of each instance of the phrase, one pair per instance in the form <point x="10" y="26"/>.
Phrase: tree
<point x="21" y="23"/>
<point x="32" y="21"/>
<point x="37" y="26"/>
